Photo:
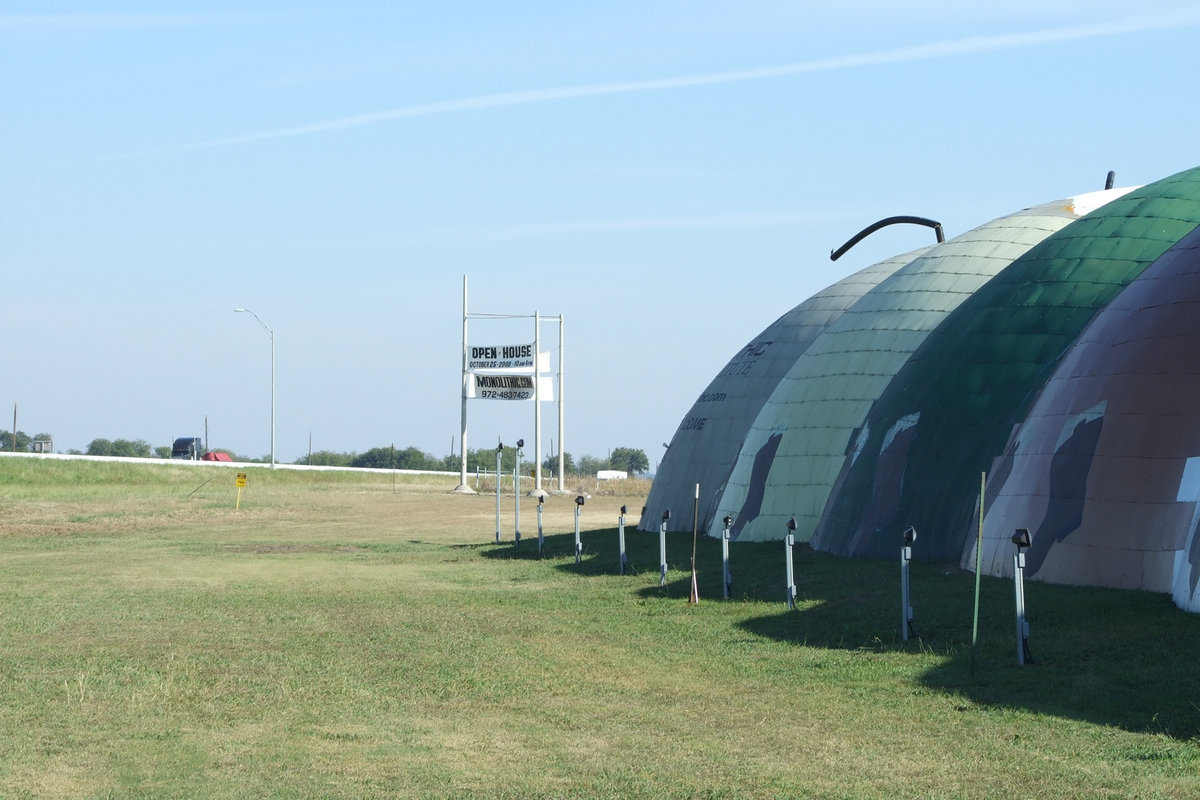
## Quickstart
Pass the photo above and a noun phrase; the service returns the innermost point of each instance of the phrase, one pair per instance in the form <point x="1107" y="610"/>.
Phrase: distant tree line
<point x="628" y="459"/>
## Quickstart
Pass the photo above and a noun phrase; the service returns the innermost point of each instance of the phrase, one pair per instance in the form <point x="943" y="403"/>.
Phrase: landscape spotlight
<point x="666" y="515"/>
<point x="622" y="511"/>
<point x="791" y="525"/>
<point x="520" y="442"/>
<point x="910" y="535"/>
<point x="728" y="520"/>
<point x="1021" y="538"/>
<point x="579" y="500"/>
<point x="499" y="447"/>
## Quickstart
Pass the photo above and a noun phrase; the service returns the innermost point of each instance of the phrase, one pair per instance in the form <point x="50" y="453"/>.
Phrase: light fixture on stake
<point x="517" y="494"/>
<point x="541" y="538"/>
<point x="578" y="543"/>
<point x="621" y="539"/>
<point x="662" y="548"/>
<point x="1022" y="541"/>
<point x="499" y="451"/>
<point x="790" y="542"/>
<point x="906" y="610"/>
<point x="725" y="555"/>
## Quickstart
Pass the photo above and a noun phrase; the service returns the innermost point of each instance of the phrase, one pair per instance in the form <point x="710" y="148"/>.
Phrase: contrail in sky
<point x="946" y="49"/>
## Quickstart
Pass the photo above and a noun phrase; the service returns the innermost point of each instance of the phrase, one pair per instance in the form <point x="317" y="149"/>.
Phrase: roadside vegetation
<point x="627" y="459"/>
<point x="358" y="635"/>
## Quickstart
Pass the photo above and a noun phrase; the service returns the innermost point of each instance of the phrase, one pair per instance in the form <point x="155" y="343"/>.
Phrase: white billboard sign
<point x="510" y="387"/>
<point x="507" y="357"/>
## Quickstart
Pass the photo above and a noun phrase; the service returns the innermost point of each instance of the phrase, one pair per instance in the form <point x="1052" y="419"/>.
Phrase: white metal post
<point x="498" y="451"/>
<point x="517" y="499"/>
<point x="561" y="441"/>
<point x="906" y="611"/>
<point x="621" y="538"/>
<point x="1019" y="590"/>
<point x="662" y="549"/>
<point x="789" y="542"/>
<point x="541" y="538"/>
<point x="578" y="542"/>
<point x="537" y="403"/>
<point x="462" y="477"/>
<point x="725" y="557"/>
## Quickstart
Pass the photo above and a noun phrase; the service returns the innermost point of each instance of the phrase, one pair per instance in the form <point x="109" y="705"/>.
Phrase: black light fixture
<point x="791" y="524"/>
<point x="910" y="535"/>
<point x="622" y="511"/>
<point x="1021" y="538"/>
<point x="579" y="500"/>
<point x="520" y="443"/>
<point x="666" y="515"/>
<point x="728" y="520"/>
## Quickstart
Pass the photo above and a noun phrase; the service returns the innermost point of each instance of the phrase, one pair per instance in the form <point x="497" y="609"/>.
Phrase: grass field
<point x="350" y="635"/>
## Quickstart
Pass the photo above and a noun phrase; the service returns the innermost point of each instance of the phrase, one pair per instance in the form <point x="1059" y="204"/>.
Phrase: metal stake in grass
<point x="578" y="543"/>
<point x="790" y="542"/>
<point x="621" y="539"/>
<point x="725" y="556"/>
<point x="499" y="450"/>
<point x="978" y="567"/>
<point x="694" y="596"/>
<point x="541" y="538"/>
<point x="906" y="610"/>
<point x="662" y="548"/>
<point x="1022" y="541"/>
<point x="517" y="495"/>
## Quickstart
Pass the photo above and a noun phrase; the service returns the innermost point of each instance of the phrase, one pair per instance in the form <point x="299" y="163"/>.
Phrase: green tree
<point x="123" y="448"/>
<point x="23" y="441"/>
<point x="590" y="465"/>
<point x="629" y="459"/>
<point x="391" y="458"/>
<point x="550" y="465"/>
<point x="162" y="451"/>
<point x="326" y="458"/>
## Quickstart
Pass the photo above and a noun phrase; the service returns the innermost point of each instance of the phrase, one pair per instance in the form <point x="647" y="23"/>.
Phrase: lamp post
<point x="271" y="334"/>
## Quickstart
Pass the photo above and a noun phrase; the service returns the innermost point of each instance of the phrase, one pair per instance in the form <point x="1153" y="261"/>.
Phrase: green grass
<point x="336" y="637"/>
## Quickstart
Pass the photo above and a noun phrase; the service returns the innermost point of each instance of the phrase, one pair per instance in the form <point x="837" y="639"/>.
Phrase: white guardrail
<point x="236" y="464"/>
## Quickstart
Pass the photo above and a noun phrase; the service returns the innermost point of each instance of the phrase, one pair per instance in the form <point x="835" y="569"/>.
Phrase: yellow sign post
<point x="241" y="484"/>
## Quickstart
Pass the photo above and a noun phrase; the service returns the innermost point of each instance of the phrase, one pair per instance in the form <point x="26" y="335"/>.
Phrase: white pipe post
<point x="662" y="549"/>
<point x="541" y="538"/>
<point x="499" y="449"/>
<point x="462" y="477"/>
<point x="621" y="539"/>
<point x="725" y="557"/>
<point x="906" y="611"/>
<point x="537" y="403"/>
<point x="517" y="499"/>
<point x="578" y="543"/>
<point x="561" y="440"/>
<point x="1019" y="590"/>
<point x="789" y="542"/>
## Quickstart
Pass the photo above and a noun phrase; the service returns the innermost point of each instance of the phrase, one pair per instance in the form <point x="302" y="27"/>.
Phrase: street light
<point x="271" y="334"/>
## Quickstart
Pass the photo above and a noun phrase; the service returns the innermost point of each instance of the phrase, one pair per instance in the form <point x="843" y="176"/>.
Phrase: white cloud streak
<point x="973" y="45"/>
<point x="25" y="23"/>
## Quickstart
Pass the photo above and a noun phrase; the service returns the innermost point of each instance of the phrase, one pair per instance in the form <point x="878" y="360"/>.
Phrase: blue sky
<point x="668" y="176"/>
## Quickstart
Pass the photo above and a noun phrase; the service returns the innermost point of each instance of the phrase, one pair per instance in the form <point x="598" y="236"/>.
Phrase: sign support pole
<point x="463" y="487"/>
<point x="537" y="404"/>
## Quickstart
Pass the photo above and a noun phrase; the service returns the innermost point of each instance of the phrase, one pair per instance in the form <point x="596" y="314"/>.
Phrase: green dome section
<point x="799" y="441"/>
<point x="950" y="411"/>
<point x="707" y="441"/>
<point x="1105" y="469"/>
